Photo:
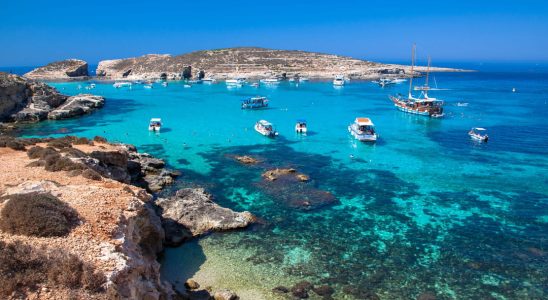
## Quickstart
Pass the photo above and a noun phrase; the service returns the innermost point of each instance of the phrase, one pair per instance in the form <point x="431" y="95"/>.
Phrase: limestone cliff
<point x="60" y="70"/>
<point x="24" y="100"/>
<point x="249" y="62"/>
<point x="116" y="237"/>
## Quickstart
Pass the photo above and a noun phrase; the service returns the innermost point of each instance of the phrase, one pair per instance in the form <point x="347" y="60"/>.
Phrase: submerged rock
<point x="294" y="189"/>
<point x="323" y="290"/>
<point x="280" y="289"/>
<point x="191" y="212"/>
<point x="246" y="159"/>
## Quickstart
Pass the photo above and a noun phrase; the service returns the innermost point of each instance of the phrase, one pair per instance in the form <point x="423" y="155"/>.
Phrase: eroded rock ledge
<point x="24" y="100"/>
<point x="192" y="212"/>
<point x="60" y="70"/>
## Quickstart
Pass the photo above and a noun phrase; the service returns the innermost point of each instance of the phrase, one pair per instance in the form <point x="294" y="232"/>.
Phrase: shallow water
<point x="425" y="209"/>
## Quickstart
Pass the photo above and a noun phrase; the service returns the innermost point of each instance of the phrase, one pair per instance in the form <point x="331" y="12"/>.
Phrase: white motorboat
<point x="265" y="128"/>
<point x="363" y="130"/>
<point x="254" y="84"/>
<point x="209" y="80"/>
<point x="164" y="84"/>
<point x="237" y="82"/>
<point x="121" y="84"/>
<point x="300" y="126"/>
<point x="155" y="124"/>
<point x="148" y="86"/>
<point x="475" y="134"/>
<point x="270" y="80"/>
<point x="186" y="86"/>
<point x="339" y="80"/>
<point x="303" y="79"/>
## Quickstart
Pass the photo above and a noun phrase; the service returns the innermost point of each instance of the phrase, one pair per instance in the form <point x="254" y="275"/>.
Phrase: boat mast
<point x="426" y="83"/>
<point x="412" y="66"/>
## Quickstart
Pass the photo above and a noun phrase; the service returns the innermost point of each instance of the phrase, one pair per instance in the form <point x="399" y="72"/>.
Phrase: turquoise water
<point x="423" y="209"/>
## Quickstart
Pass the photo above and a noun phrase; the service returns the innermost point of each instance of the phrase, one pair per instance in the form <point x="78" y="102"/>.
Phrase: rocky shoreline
<point x="118" y="230"/>
<point x="24" y="100"/>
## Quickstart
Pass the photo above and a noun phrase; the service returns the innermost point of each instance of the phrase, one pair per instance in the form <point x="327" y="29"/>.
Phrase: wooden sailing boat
<point x="424" y="106"/>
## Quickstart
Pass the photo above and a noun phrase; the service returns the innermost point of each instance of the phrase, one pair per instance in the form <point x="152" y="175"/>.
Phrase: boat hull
<point x="371" y="138"/>
<point x="264" y="132"/>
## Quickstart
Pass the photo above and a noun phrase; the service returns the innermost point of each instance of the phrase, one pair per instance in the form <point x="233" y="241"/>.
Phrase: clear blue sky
<point x="36" y="32"/>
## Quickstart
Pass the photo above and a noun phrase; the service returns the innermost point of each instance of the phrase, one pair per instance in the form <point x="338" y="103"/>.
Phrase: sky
<point x="35" y="32"/>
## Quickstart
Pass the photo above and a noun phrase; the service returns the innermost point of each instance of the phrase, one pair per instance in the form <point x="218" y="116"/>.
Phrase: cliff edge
<point x="60" y="70"/>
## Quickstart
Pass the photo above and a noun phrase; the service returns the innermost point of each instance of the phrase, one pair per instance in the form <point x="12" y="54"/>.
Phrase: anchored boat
<point x="265" y="128"/>
<point x="339" y="80"/>
<point x="155" y="124"/>
<point x="475" y="134"/>
<point x="363" y="130"/>
<point x="270" y="80"/>
<point x="424" y="105"/>
<point x="300" y="126"/>
<point x="236" y="82"/>
<point x="255" y="103"/>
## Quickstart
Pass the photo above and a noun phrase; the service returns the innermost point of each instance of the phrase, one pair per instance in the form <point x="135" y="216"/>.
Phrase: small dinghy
<point x="265" y="128"/>
<point x="363" y="130"/>
<point x="300" y="126"/>
<point x="476" y="134"/>
<point x="155" y="124"/>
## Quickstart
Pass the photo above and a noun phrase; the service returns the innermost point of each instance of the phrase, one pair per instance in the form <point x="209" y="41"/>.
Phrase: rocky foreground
<point x="77" y="222"/>
<point x="251" y="63"/>
<point x="60" y="70"/>
<point x="24" y="100"/>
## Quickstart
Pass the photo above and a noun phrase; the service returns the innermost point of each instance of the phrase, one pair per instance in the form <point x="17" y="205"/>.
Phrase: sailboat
<point x="423" y="105"/>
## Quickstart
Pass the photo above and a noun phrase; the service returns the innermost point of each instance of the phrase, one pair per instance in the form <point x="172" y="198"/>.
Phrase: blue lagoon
<point x="423" y="211"/>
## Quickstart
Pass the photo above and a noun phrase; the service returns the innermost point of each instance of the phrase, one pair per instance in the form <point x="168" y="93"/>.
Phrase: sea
<point x="423" y="212"/>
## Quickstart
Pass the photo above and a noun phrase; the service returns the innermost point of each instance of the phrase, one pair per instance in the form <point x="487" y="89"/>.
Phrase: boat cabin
<point x="155" y="124"/>
<point x="364" y="125"/>
<point x="254" y="103"/>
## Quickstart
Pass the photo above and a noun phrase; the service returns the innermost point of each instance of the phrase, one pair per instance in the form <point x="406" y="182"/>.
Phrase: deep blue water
<point x="424" y="209"/>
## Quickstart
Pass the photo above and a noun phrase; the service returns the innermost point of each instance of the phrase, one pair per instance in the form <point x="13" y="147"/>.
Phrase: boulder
<point x="66" y="69"/>
<point x="225" y="294"/>
<point x="192" y="212"/>
<point x="76" y="106"/>
<point x="191" y="284"/>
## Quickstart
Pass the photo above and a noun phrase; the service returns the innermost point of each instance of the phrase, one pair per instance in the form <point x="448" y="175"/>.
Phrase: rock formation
<point x="60" y="70"/>
<point x="252" y="63"/>
<point x="23" y="100"/>
<point x="191" y="212"/>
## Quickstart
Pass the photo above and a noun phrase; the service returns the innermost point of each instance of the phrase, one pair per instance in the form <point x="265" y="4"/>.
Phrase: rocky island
<point x="61" y="70"/>
<point x="24" y="100"/>
<point x="250" y="62"/>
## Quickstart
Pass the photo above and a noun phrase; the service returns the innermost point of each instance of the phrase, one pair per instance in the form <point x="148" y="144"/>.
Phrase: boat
<point x="462" y="104"/>
<point x="236" y="82"/>
<point x="270" y="80"/>
<point x="265" y="128"/>
<point x="155" y="124"/>
<point x="384" y="82"/>
<point x="300" y="126"/>
<point x="303" y="79"/>
<point x="164" y="84"/>
<point x="255" y="84"/>
<point x="255" y="103"/>
<point x="423" y="105"/>
<point x="186" y="86"/>
<point x="209" y="80"/>
<point x="148" y="86"/>
<point x="398" y="80"/>
<point x="92" y="85"/>
<point x="363" y="130"/>
<point x="475" y="134"/>
<point x="121" y="84"/>
<point x="339" y="80"/>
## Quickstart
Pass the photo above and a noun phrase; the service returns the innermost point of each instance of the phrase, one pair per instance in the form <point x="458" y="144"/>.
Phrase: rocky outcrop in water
<point x="250" y="62"/>
<point x="60" y="70"/>
<point x="192" y="212"/>
<point x="23" y="100"/>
